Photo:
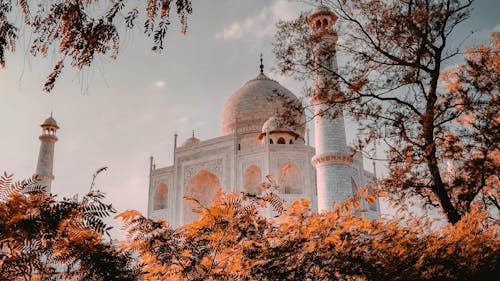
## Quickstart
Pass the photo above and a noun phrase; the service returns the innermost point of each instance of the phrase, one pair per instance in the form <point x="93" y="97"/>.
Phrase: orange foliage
<point x="231" y="240"/>
<point x="42" y="238"/>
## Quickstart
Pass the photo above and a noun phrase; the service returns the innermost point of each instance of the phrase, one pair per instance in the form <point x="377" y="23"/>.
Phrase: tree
<point x="80" y="30"/>
<point x="42" y="238"/>
<point x="474" y="147"/>
<point x="232" y="240"/>
<point x="208" y="249"/>
<point x="392" y="80"/>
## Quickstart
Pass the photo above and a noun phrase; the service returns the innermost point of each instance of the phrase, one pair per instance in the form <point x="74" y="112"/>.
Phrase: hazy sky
<point x="118" y="113"/>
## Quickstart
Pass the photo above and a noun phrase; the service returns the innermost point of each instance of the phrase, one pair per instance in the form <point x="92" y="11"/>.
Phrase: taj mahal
<point x="257" y="143"/>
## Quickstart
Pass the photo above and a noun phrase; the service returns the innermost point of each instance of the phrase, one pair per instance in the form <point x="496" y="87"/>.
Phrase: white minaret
<point x="333" y="162"/>
<point x="46" y="155"/>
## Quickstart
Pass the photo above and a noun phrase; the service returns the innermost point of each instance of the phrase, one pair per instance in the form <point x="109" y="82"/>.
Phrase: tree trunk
<point x="430" y="150"/>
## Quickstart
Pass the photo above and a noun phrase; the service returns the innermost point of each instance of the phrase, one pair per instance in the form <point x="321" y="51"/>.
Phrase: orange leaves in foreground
<point x="230" y="243"/>
<point x="42" y="238"/>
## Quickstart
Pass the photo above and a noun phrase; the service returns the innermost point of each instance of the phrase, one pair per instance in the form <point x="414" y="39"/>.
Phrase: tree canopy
<point x="80" y="30"/>
<point x="232" y="240"/>
<point x="42" y="238"/>
<point x="440" y="127"/>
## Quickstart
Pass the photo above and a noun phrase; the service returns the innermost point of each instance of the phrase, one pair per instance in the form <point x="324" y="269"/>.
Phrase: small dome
<point x="276" y="124"/>
<point x="50" y="122"/>
<point x="254" y="103"/>
<point x="191" y="141"/>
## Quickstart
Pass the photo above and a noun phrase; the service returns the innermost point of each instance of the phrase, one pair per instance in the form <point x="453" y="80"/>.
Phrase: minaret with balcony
<point x="333" y="160"/>
<point x="44" y="167"/>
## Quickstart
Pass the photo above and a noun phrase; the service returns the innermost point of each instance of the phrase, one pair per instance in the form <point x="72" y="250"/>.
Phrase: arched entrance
<point x="291" y="181"/>
<point x="251" y="179"/>
<point x="160" y="197"/>
<point x="203" y="187"/>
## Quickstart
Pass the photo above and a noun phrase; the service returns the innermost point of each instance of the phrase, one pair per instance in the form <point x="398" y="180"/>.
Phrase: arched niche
<point x="160" y="197"/>
<point x="281" y="140"/>
<point x="291" y="181"/>
<point x="203" y="187"/>
<point x="252" y="177"/>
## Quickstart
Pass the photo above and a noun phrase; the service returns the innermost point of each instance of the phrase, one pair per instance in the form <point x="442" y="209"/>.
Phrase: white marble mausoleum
<point x="255" y="141"/>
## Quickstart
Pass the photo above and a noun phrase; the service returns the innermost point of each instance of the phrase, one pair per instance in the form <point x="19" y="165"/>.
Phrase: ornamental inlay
<point x="213" y="166"/>
<point x="331" y="159"/>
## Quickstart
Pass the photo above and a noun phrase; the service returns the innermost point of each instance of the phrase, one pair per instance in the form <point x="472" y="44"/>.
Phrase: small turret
<point x="191" y="141"/>
<point x="278" y="131"/>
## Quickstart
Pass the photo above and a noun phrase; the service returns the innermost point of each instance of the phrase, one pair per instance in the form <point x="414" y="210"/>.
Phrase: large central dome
<point x="254" y="103"/>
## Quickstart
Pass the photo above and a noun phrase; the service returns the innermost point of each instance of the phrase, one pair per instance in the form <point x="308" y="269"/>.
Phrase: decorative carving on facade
<point x="341" y="159"/>
<point x="214" y="166"/>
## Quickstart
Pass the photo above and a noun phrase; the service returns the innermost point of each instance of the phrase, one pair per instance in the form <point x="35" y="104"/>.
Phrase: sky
<point x="118" y="113"/>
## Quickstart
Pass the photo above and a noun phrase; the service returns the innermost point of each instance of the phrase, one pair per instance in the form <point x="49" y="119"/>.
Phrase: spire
<point x="261" y="64"/>
<point x="193" y="134"/>
<point x="374" y="164"/>
<point x="152" y="164"/>
<point x="175" y="146"/>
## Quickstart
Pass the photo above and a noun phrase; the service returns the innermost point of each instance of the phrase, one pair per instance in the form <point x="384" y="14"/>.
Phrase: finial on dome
<point x="261" y="64"/>
<point x="191" y="141"/>
<point x="50" y="121"/>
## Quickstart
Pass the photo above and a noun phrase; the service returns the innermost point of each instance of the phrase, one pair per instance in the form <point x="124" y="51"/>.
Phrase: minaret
<point x="46" y="155"/>
<point x="333" y="162"/>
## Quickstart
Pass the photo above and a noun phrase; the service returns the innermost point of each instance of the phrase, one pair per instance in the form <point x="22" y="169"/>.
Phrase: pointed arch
<point x="291" y="180"/>
<point x="251" y="179"/>
<point x="160" y="197"/>
<point x="203" y="187"/>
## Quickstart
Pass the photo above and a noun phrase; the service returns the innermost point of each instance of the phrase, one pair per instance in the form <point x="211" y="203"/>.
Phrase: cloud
<point x="233" y="31"/>
<point x="282" y="10"/>
<point x="183" y="120"/>
<point x="259" y="25"/>
<point x="160" y="84"/>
